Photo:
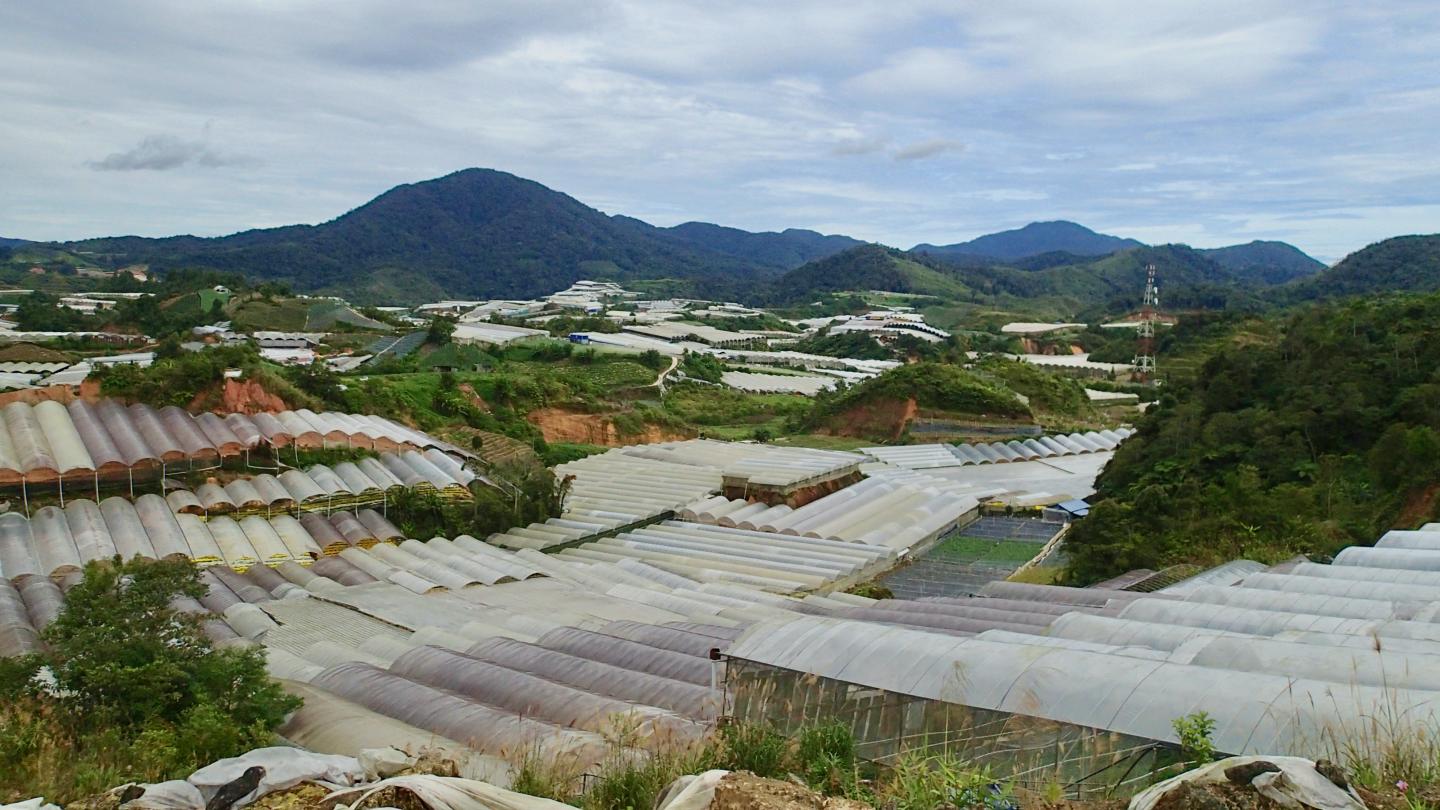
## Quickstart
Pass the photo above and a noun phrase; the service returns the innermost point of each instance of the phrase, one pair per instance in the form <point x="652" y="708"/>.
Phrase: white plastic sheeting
<point x="1254" y="712"/>
<point x="757" y="464"/>
<point x="610" y="490"/>
<point x="57" y="542"/>
<point x="42" y="442"/>
<point x="772" y="562"/>
<point x="894" y="512"/>
<point x="930" y="456"/>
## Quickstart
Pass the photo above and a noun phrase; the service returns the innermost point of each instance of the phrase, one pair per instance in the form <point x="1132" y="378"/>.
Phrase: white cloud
<point x="1214" y="122"/>
<point x="928" y="74"/>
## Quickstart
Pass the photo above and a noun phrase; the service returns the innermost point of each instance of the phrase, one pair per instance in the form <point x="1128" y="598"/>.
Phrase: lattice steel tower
<point x="1145" y="333"/>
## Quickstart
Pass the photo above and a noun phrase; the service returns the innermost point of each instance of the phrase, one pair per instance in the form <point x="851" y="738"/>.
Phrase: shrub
<point x="1194" y="731"/>
<point x="140" y="692"/>
<point x="871" y="590"/>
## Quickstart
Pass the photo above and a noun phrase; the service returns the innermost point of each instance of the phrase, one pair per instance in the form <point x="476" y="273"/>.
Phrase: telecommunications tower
<point x="1145" y="332"/>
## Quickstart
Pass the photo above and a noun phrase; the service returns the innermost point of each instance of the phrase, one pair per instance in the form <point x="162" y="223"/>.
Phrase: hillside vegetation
<point x="1401" y="264"/>
<point x="1271" y="262"/>
<point x="481" y="232"/>
<point x="425" y="240"/>
<point x="1047" y="392"/>
<point x="867" y="267"/>
<point x="878" y="406"/>
<point x="136" y="692"/>
<point x="1051" y="285"/>
<point x="1322" y="438"/>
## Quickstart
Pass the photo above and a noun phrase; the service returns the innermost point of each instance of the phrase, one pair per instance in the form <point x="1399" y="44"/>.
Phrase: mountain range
<point x="486" y="233"/>
<point x="1065" y="286"/>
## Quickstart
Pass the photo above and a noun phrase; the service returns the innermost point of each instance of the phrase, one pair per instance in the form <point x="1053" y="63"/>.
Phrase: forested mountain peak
<point x="1034" y="239"/>
<point x="1399" y="264"/>
<point x="1274" y="262"/>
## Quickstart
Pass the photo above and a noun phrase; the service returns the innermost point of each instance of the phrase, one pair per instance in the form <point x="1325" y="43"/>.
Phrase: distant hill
<point x="1271" y="262"/>
<point x="1085" y="286"/>
<point x="10" y="243"/>
<point x="866" y="267"/>
<point x="1400" y="264"/>
<point x="789" y="248"/>
<point x="486" y="233"/>
<point x="476" y="232"/>
<point x="1115" y="283"/>
<point x="1034" y="239"/>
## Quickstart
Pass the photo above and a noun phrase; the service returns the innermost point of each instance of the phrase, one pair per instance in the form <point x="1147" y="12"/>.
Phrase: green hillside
<point x="937" y="387"/>
<point x="1054" y="285"/>
<point x="474" y="232"/>
<point x="1401" y="264"/>
<point x="1271" y="262"/>
<point x="1323" y="437"/>
<point x="863" y="268"/>
<point x="1034" y="239"/>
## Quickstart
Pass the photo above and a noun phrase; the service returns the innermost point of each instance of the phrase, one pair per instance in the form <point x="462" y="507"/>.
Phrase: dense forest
<point x="1403" y="263"/>
<point x="1322" y="438"/>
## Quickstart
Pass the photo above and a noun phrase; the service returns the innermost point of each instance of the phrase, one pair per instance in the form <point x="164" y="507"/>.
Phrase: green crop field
<point x="209" y="297"/>
<point x="985" y="550"/>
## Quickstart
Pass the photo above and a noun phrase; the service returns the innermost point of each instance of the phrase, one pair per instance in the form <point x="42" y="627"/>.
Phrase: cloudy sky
<point x="900" y="121"/>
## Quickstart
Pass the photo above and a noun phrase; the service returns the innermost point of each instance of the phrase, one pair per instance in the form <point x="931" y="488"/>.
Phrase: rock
<point x="380" y="763"/>
<point x="434" y="763"/>
<point x="1333" y="772"/>
<point x="1245" y="774"/>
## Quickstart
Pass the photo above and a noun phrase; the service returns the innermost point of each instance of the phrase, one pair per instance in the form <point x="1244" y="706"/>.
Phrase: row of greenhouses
<point x="346" y="485"/>
<point x="923" y="456"/>
<point x="47" y="441"/>
<point x="58" y="541"/>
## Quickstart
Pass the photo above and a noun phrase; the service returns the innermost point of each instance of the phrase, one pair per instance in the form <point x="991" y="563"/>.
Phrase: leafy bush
<point x="872" y="590"/>
<point x="140" y="691"/>
<point x="1194" y="731"/>
<point x="702" y="367"/>
<point x="174" y="380"/>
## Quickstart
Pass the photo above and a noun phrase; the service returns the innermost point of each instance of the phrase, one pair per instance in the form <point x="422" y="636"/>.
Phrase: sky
<point x="902" y="121"/>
